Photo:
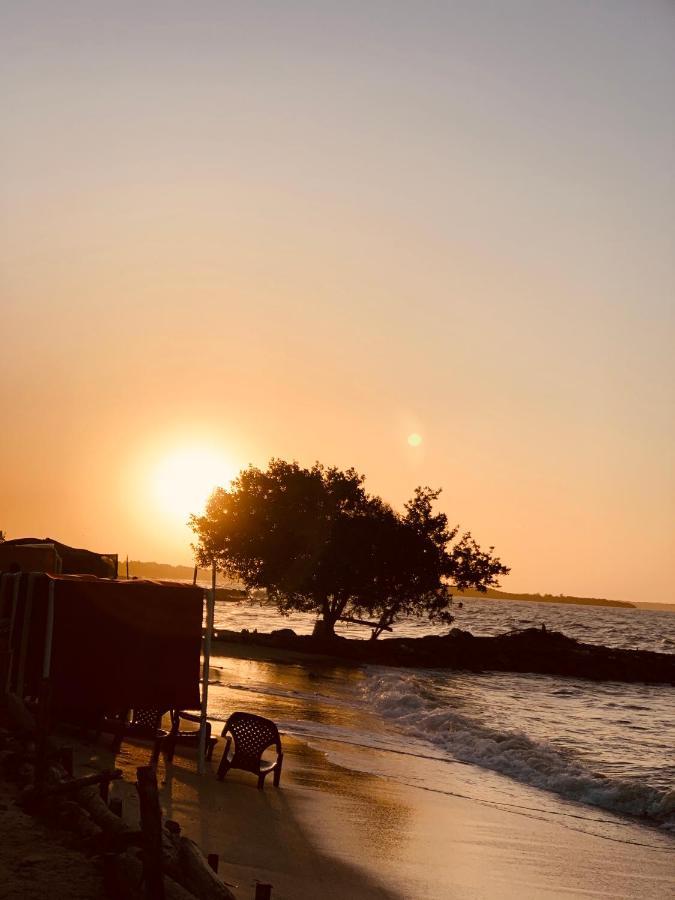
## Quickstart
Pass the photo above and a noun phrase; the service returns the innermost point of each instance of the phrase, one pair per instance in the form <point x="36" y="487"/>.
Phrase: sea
<point x="598" y="754"/>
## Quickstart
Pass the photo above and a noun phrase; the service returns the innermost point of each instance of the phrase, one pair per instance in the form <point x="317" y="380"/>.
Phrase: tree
<point x="317" y="542"/>
<point x="424" y="565"/>
<point x="283" y="530"/>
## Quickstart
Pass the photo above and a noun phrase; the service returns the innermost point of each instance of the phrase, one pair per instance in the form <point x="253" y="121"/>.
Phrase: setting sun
<point x="184" y="479"/>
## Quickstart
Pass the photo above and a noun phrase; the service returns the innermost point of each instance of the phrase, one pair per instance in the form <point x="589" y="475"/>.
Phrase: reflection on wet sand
<point x="259" y="835"/>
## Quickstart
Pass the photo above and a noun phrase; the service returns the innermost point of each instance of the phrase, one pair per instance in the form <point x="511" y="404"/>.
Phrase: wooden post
<point x="127" y="566"/>
<point x="194" y="577"/>
<point x="151" y="826"/>
<point x="263" y="891"/>
<point x="213" y="860"/>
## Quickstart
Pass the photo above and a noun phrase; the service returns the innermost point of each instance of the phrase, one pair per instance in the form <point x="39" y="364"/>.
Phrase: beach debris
<point x="153" y="861"/>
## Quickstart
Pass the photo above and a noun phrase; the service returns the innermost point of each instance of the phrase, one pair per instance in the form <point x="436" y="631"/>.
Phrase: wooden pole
<point x="151" y="826"/>
<point x="127" y="566"/>
<point x="210" y="606"/>
<point x="194" y="577"/>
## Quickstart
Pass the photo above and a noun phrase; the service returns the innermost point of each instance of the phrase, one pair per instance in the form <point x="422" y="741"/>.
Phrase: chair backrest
<point x="150" y="719"/>
<point x="252" y="734"/>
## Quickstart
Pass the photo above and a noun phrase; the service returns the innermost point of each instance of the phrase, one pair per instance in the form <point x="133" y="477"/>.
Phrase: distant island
<point x="139" y="569"/>
<point x="492" y="594"/>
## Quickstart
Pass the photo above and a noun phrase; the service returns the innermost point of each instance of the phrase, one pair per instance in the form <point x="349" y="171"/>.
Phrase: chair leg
<point x="210" y="748"/>
<point x="277" y="771"/>
<point x="169" y="748"/>
<point x="261" y="781"/>
<point x="116" y="745"/>
<point x="157" y="746"/>
<point x="224" y="763"/>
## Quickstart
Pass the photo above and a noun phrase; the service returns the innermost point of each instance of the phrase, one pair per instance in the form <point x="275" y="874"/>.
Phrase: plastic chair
<point x="145" y="723"/>
<point x="252" y="735"/>
<point x="188" y="736"/>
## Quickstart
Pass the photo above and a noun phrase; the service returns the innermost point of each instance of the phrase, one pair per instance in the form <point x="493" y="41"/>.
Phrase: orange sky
<point x="238" y="231"/>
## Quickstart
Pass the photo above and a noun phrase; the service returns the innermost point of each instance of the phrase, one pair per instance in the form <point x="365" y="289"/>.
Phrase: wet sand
<point x="333" y="833"/>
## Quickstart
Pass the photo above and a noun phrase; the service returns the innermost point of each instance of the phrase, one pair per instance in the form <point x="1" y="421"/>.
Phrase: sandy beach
<point x="330" y="832"/>
<point x="333" y="830"/>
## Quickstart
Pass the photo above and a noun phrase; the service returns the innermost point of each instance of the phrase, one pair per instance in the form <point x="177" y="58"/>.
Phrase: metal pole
<point x="210" y="606"/>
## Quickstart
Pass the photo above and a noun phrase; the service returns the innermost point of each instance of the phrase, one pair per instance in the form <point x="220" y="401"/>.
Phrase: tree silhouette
<point x="317" y="542"/>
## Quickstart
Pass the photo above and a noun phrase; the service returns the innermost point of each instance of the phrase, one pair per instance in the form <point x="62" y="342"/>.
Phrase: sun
<point x="184" y="479"/>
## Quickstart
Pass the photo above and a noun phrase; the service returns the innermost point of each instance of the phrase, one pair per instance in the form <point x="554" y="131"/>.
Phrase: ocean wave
<point x="403" y="699"/>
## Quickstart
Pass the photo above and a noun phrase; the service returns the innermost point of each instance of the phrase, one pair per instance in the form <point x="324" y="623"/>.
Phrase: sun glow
<point x="184" y="480"/>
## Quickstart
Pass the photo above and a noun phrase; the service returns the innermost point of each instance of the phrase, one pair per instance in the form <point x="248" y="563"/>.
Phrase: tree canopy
<point x="318" y="542"/>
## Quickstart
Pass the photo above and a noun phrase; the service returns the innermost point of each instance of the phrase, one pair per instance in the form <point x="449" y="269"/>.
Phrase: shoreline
<point x="361" y="822"/>
<point x="349" y="825"/>
<point x="333" y="831"/>
<point x="532" y="650"/>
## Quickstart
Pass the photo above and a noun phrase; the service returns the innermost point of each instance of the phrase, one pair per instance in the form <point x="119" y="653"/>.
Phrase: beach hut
<point x="106" y="644"/>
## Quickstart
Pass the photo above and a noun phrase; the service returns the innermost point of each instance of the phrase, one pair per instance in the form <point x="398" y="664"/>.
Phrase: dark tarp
<point x="118" y="644"/>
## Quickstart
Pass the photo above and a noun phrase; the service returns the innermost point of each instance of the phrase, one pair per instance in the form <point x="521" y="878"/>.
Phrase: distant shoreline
<point x="492" y="594"/>
<point x="139" y="569"/>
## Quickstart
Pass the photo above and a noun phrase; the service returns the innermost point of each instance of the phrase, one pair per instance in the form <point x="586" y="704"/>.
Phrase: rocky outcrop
<point x="531" y="650"/>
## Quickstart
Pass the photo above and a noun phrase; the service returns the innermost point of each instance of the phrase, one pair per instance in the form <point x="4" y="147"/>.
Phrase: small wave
<point x="397" y="697"/>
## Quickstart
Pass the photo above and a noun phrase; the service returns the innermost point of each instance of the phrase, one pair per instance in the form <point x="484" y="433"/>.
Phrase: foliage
<point x="317" y="542"/>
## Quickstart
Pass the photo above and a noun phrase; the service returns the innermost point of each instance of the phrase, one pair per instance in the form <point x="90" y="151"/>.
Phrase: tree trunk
<point x="330" y="613"/>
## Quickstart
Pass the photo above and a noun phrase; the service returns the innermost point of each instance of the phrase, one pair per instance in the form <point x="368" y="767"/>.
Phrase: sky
<point x="309" y="230"/>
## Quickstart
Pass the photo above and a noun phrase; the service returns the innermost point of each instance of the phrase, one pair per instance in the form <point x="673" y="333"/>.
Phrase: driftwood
<point x="75" y="784"/>
<point x="20" y="716"/>
<point x="199" y="877"/>
<point x="354" y="621"/>
<point x="104" y="817"/>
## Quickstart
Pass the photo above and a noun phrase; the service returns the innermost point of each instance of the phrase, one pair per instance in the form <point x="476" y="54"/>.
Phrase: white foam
<point x="401" y="698"/>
